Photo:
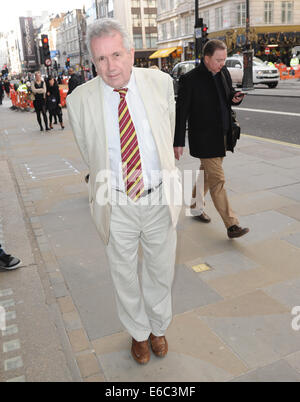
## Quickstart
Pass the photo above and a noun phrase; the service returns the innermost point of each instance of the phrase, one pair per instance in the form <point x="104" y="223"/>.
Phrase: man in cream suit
<point x="123" y="122"/>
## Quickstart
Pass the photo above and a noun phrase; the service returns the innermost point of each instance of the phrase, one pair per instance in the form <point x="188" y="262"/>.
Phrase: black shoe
<point x="48" y="129"/>
<point x="41" y="128"/>
<point x="55" y="122"/>
<point x="236" y="231"/>
<point x="9" y="262"/>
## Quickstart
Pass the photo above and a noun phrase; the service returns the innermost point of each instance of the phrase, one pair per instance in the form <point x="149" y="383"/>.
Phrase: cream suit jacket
<point x="87" y="119"/>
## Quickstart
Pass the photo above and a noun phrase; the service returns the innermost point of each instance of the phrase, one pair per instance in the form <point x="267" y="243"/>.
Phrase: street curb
<point x="274" y="96"/>
<point x="67" y="320"/>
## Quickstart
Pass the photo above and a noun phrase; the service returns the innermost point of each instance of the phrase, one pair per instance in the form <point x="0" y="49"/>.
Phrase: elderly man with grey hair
<point x="123" y="121"/>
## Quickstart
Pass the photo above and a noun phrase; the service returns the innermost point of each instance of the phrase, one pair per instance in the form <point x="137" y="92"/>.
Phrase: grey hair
<point x="104" y="27"/>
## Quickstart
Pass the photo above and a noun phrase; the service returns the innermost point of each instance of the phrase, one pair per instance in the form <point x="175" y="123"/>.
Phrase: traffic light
<point x="68" y="62"/>
<point x="204" y="34"/>
<point x="46" y="51"/>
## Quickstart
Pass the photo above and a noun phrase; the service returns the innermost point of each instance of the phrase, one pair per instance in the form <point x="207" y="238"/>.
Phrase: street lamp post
<point x="247" y="82"/>
<point x="198" y="32"/>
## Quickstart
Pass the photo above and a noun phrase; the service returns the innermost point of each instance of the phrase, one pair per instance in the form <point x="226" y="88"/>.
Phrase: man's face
<point x="112" y="61"/>
<point x="216" y="62"/>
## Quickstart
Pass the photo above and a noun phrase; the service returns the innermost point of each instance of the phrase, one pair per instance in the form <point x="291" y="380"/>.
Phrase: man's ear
<point x="132" y="55"/>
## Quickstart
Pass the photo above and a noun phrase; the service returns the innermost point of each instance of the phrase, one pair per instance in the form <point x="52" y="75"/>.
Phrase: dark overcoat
<point x="198" y="103"/>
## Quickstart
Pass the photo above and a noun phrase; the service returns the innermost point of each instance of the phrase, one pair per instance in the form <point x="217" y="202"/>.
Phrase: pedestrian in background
<point x="39" y="90"/>
<point x="7" y="87"/>
<point x="53" y="102"/>
<point x="204" y="100"/>
<point x="124" y="122"/>
<point x="74" y="81"/>
<point x="7" y="261"/>
<point x="1" y="91"/>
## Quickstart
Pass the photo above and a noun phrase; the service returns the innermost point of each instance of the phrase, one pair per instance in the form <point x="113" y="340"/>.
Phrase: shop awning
<point x="162" y="53"/>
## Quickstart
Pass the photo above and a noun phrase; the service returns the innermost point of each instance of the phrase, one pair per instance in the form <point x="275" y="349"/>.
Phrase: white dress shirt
<point x="148" y="152"/>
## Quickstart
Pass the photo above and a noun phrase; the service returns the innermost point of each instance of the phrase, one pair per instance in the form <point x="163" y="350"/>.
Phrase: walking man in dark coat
<point x="74" y="81"/>
<point x="204" y="100"/>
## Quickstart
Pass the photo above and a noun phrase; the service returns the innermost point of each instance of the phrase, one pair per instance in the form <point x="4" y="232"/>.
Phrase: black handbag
<point x="236" y="129"/>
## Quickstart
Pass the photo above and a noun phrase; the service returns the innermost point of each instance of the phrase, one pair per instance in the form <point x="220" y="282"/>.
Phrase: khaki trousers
<point x="214" y="181"/>
<point x="143" y="301"/>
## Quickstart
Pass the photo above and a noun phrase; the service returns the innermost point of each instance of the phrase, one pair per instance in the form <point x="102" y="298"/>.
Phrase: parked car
<point x="180" y="69"/>
<point x="262" y="73"/>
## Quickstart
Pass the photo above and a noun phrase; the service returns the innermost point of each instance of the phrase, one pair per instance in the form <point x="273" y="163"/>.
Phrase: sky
<point x="18" y="8"/>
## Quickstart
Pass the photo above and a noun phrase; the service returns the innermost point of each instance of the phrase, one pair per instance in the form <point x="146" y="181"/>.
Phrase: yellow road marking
<point x="288" y="144"/>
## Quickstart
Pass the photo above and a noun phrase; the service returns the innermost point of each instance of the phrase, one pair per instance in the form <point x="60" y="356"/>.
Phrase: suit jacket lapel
<point x="145" y="90"/>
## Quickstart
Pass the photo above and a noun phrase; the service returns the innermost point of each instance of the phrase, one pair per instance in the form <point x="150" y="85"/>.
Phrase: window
<point x="162" y="4"/>
<point x="186" y="25"/>
<point x="206" y="18"/>
<point x="219" y="17"/>
<point x="171" y="5"/>
<point x="287" y="12"/>
<point x="150" y="20"/>
<point x="149" y="3"/>
<point x="136" y="20"/>
<point x="163" y="31"/>
<point x="268" y="14"/>
<point x="241" y="14"/>
<point x="138" y="41"/>
<point x="179" y="27"/>
<point x="151" y="40"/>
<point x="135" y="3"/>
<point x="172" y="29"/>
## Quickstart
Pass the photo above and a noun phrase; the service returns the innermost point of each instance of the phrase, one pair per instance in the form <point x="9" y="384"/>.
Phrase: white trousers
<point x="144" y="304"/>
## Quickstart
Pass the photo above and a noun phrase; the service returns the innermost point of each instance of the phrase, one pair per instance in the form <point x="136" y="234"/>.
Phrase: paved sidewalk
<point x="232" y="322"/>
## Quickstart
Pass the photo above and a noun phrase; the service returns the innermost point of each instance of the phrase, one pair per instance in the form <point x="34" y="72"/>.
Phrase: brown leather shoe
<point x="236" y="231"/>
<point x="203" y="218"/>
<point x="159" y="345"/>
<point x="140" y="351"/>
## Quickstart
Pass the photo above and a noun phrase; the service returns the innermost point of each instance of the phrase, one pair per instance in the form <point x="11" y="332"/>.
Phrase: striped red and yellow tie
<point x="131" y="161"/>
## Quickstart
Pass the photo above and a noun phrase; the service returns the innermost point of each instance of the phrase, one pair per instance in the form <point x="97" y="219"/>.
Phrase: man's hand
<point x="238" y="96"/>
<point x="178" y="151"/>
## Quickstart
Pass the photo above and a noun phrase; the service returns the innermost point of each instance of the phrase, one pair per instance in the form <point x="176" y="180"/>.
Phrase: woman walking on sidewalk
<point x="53" y="102"/>
<point x="39" y="89"/>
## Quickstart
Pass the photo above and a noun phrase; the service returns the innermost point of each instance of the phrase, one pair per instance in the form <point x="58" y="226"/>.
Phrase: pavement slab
<point x="279" y="371"/>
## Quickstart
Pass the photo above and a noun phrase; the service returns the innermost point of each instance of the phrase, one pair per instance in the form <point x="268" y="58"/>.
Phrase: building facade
<point x="71" y="41"/>
<point x="13" y="53"/>
<point x="274" y="25"/>
<point x="139" y="19"/>
<point x="175" y="24"/>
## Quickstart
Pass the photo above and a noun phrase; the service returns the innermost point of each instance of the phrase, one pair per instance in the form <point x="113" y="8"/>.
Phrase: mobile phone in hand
<point x="240" y="94"/>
